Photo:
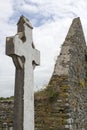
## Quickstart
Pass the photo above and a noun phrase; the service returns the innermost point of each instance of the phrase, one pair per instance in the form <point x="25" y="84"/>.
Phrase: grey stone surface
<point x="72" y="62"/>
<point x="63" y="104"/>
<point x="25" y="57"/>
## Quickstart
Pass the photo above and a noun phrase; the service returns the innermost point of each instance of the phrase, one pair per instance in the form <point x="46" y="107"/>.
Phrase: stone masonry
<point x="62" y="105"/>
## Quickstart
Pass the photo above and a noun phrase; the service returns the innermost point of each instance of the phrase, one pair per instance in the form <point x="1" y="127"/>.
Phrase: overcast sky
<point x="51" y="20"/>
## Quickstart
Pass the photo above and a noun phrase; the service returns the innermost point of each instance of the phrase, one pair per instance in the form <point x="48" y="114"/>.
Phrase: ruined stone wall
<point x="77" y="77"/>
<point x="6" y="112"/>
<point x="51" y="109"/>
<point x="67" y="108"/>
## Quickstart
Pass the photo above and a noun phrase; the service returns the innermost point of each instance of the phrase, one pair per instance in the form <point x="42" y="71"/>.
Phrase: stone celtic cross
<point x="25" y="57"/>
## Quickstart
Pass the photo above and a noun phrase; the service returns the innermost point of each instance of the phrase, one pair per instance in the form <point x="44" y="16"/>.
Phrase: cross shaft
<point x="25" y="57"/>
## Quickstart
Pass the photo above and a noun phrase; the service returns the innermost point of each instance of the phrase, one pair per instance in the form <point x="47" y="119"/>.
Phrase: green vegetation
<point x="7" y="98"/>
<point x="82" y="83"/>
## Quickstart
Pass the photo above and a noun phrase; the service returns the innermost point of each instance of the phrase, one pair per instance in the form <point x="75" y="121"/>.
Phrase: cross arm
<point x="14" y="44"/>
<point x="9" y="46"/>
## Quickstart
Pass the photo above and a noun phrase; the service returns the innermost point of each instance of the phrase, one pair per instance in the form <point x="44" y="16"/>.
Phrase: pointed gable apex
<point x="75" y="32"/>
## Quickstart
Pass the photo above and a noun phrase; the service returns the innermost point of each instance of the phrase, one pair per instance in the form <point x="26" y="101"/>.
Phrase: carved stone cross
<point x="25" y="57"/>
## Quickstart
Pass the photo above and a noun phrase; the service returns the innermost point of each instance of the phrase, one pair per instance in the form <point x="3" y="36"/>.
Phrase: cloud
<point x="6" y="66"/>
<point x="41" y="12"/>
<point x="6" y="9"/>
<point x="7" y="72"/>
<point x="51" y="21"/>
